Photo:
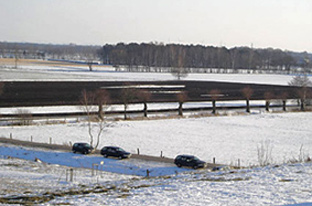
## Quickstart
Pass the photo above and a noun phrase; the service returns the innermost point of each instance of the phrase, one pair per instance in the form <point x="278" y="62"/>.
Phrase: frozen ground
<point x="227" y="138"/>
<point x="78" y="73"/>
<point x="284" y="137"/>
<point x="46" y="184"/>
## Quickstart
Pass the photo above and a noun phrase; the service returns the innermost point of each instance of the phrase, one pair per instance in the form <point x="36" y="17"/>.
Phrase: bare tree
<point x="144" y="96"/>
<point x="268" y="96"/>
<point x="24" y="116"/>
<point x="284" y="97"/>
<point x="101" y="98"/>
<point x="16" y="58"/>
<point x="247" y="93"/>
<point x="214" y="94"/>
<point x="181" y="97"/>
<point x="96" y="126"/>
<point x="128" y="95"/>
<point x="179" y="71"/>
<point x="303" y="91"/>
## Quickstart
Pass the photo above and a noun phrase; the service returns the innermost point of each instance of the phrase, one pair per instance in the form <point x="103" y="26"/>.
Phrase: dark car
<point x="83" y="148"/>
<point x="189" y="161"/>
<point x="114" y="152"/>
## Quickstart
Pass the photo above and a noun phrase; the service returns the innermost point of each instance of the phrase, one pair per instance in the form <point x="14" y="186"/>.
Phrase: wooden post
<point x="31" y="138"/>
<point x="11" y="137"/>
<point x="71" y="174"/>
<point x="161" y="154"/>
<point x="95" y="168"/>
<point x="147" y="173"/>
<point x="238" y="163"/>
<point x="50" y="140"/>
<point x="138" y="151"/>
<point x="214" y="160"/>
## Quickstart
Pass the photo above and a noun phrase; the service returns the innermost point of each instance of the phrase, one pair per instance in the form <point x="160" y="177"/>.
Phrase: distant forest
<point x="158" y="55"/>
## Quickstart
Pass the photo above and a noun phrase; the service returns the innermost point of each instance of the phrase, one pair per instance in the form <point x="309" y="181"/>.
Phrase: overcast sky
<point x="285" y="24"/>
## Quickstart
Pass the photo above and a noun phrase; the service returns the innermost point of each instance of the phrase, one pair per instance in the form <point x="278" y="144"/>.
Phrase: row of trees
<point x="129" y="94"/>
<point x="101" y="99"/>
<point x="49" y="51"/>
<point x="158" y="55"/>
<point x="198" y="56"/>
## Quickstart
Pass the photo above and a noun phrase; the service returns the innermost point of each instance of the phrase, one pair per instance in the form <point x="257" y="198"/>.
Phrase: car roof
<point x="190" y="156"/>
<point x="81" y="143"/>
<point x="115" y="147"/>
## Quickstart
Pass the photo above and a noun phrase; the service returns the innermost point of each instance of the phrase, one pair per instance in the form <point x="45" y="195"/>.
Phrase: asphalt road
<point x="97" y="152"/>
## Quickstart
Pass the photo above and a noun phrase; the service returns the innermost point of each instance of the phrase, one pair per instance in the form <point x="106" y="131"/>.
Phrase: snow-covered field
<point x="227" y="138"/>
<point x="283" y="137"/>
<point x="271" y="185"/>
<point x="82" y="73"/>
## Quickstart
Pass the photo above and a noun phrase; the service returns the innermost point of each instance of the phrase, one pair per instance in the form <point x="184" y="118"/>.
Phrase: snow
<point x="286" y="184"/>
<point x="66" y="73"/>
<point x="226" y="138"/>
<point x="230" y="138"/>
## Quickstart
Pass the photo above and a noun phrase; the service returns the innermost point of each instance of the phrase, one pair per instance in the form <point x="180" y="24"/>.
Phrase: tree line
<point x="199" y="56"/>
<point x="159" y="56"/>
<point x="49" y="51"/>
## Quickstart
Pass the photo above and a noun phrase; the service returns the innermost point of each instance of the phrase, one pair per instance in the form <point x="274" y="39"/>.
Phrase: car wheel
<point x="105" y="155"/>
<point x="179" y="165"/>
<point x="74" y="151"/>
<point x="120" y="157"/>
<point x="195" y="167"/>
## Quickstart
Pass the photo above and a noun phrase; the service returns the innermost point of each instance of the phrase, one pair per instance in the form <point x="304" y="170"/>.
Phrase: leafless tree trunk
<point x="16" y="58"/>
<point x="247" y="93"/>
<point x="179" y="70"/>
<point x="128" y="95"/>
<point x="145" y="96"/>
<point x="268" y="97"/>
<point x="215" y="94"/>
<point x="304" y="92"/>
<point x="284" y="97"/>
<point x="182" y="97"/>
<point x="96" y="126"/>
<point x="102" y="99"/>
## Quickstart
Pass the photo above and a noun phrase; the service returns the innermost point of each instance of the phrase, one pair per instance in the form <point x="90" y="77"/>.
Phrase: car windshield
<point x="121" y="150"/>
<point x="195" y="158"/>
<point x="87" y="145"/>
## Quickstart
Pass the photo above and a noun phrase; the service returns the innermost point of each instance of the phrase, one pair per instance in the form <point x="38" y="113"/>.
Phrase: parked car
<point x="114" y="152"/>
<point x="83" y="148"/>
<point x="189" y="161"/>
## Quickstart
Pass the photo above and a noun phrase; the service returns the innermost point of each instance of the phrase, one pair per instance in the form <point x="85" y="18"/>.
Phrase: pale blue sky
<point x="285" y="24"/>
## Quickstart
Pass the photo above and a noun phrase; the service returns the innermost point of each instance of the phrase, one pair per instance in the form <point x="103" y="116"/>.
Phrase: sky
<point x="284" y="24"/>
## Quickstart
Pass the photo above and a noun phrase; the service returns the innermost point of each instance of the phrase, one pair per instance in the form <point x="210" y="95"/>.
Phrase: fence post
<point x="161" y="154"/>
<point x="11" y="137"/>
<point x="138" y="151"/>
<point x="95" y="167"/>
<point x="238" y="163"/>
<point x="31" y="138"/>
<point x="214" y="160"/>
<point x="71" y="174"/>
<point x="147" y="173"/>
<point x="50" y="140"/>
